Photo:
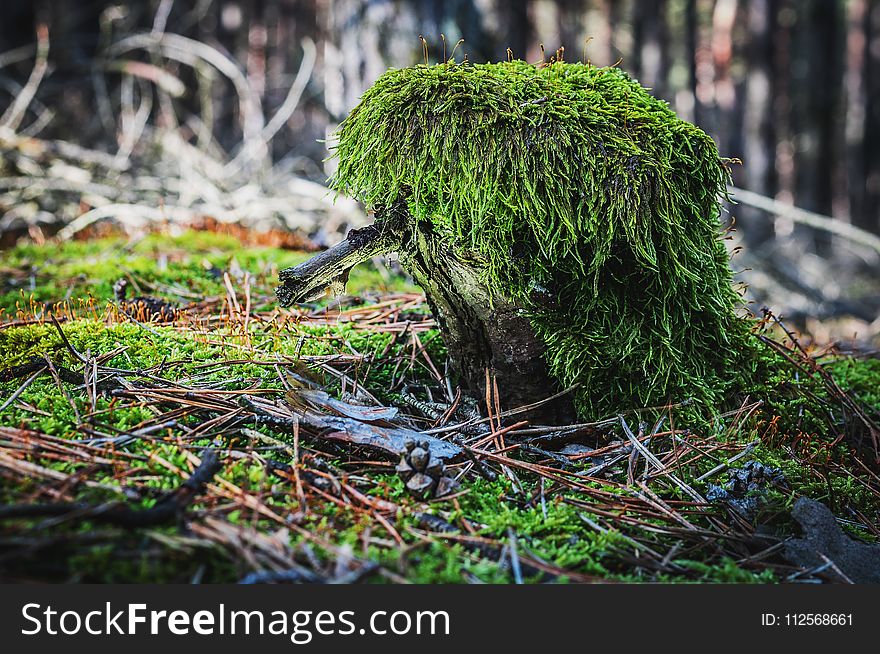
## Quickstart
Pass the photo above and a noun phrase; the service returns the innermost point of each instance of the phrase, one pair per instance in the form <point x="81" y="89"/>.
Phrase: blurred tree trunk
<point x="652" y="44"/>
<point x="759" y="138"/>
<point x="724" y="91"/>
<point x="815" y="103"/>
<point x="692" y="36"/>
<point x="782" y="75"/>
<point x="870" y="216"/>
<point x="857" y="55"/>
<point x="514" y="26"/>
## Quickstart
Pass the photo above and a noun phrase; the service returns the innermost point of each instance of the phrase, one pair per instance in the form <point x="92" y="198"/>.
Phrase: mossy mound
<point x="589" y="203"/>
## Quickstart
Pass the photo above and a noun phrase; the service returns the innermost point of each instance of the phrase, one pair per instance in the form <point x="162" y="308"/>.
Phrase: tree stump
<point x="563" y="223"/>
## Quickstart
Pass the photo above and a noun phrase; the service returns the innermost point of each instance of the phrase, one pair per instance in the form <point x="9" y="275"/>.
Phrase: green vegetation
<point x="185" y="266"/>
<point x="548" y="513"/>
<point x="574" y="186"/>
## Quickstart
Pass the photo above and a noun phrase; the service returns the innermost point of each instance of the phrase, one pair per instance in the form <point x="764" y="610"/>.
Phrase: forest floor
<point x="142" y="450"/>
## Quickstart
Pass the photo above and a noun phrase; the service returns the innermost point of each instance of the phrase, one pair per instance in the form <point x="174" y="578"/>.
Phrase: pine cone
<point x="424" y="474"/>
<point x="143" y="307"/>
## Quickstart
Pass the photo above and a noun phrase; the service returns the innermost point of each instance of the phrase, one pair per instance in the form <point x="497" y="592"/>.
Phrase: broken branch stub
<point x="329" y="269"/>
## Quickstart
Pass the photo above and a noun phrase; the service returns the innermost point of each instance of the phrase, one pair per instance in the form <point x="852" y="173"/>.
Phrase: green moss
<point x="559" y="537"/>
<point x="861" y="377"/>
<point x="575" y="186"/>
<point x="185" y="267"/>
<point x="727" y="571"/>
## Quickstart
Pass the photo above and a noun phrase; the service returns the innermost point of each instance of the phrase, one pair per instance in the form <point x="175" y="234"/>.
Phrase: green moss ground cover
<point x="539" y="511"/>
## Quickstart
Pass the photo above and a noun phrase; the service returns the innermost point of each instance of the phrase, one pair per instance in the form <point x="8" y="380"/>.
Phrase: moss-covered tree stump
<point x="563" y="223"/>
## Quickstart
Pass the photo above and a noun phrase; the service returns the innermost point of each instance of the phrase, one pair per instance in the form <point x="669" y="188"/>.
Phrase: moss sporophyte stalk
<point x="582" y="199"/>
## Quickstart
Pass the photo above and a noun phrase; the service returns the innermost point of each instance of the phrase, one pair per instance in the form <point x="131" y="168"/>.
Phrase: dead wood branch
<point x="330" y="268"/>
<point x="488" y="335"/>
<point x="13" y="116"/>
<point x="389" y="441"/>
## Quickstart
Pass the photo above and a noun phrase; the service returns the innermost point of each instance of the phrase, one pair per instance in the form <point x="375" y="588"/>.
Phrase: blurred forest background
<point x="792" y="88"/>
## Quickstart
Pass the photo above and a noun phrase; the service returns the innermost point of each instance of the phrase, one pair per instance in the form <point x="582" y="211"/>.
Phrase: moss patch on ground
<point x="540" y="519"/>
<point x="186" y="266"/>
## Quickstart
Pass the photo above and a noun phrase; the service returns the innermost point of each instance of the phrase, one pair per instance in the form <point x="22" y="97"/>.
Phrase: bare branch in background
<point x="189" y="52"/>
<point x="18" y="54"/>
<point x="809" y="218"/>
<point x="133" y="122"/>
<point x="296" y="90"/>
<point x="168" y="177"/>
<point x="160" y="20"/>
<point x="13" y="116"/>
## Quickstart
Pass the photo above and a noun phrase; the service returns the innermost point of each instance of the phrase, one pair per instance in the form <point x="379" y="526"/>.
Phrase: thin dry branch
<point x="805" y="217"/>
<point x="12" y="117"/>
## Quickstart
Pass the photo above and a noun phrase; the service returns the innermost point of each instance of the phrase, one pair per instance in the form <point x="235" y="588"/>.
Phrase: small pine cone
<point x="446" y="486"/>
<point x="424" y="474"/>
<point x="145" y="308"/>
<point x="420" y="485"/>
